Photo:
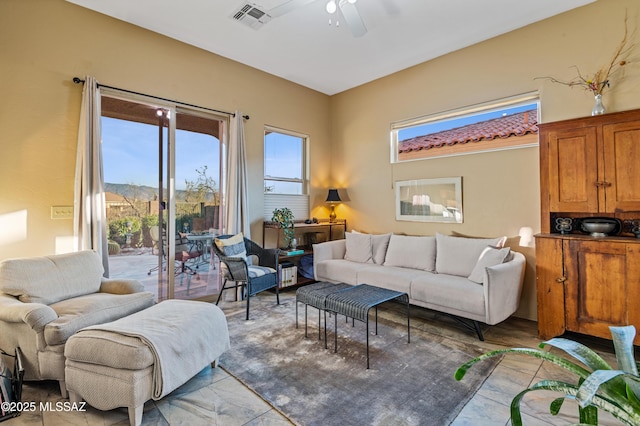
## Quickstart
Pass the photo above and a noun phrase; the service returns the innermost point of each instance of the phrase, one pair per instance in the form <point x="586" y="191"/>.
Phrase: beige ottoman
<point x="143" y="356"/>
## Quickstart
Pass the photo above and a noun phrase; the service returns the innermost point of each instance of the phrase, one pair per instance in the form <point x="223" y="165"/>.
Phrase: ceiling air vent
<point x="251" y="15"/>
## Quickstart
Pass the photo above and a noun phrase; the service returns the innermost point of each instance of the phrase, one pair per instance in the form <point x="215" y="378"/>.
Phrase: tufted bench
<point x="144" y="356"/>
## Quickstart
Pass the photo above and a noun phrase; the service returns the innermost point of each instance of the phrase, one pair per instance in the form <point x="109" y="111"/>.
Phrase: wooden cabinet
<point x="589" y="167"/>
<point x="586" y="285"/>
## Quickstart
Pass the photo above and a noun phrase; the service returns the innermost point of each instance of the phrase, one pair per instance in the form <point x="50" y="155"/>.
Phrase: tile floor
<point x="214" y="397"/>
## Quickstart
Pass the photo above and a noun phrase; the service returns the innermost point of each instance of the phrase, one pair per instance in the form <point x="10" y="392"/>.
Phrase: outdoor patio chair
<point x="237" y="264"/>
<point x="185" y="256"/>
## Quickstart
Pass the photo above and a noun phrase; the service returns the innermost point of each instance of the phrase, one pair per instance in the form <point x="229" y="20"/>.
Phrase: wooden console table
<point x="307" y="234"/>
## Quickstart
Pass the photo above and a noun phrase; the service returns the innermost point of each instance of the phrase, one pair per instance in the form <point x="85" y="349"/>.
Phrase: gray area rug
<point x="407" y="384"/>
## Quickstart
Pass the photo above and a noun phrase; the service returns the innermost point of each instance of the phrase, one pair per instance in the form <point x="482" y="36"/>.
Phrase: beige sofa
<point x="471" y="278"/>
<point x="45" y="300"/>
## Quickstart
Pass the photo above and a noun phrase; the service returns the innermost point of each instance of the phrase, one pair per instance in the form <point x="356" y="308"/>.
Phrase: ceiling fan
<point x="347" y="8"/>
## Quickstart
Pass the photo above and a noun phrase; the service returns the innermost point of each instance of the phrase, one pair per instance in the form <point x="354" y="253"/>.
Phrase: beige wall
<point x="44" y="43"/>
<point x="500" y="189"/>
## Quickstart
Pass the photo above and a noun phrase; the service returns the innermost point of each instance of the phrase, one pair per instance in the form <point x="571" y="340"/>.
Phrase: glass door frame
<point x="172" y="109"/>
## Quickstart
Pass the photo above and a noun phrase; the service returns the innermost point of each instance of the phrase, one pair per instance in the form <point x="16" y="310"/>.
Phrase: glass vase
<point x="598" y="107"/>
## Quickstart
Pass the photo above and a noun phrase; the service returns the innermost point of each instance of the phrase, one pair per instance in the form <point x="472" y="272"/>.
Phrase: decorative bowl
<point x="599" y="227"/>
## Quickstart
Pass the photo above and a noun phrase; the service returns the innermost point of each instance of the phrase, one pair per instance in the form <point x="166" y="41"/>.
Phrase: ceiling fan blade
<point x="287" y="7"/>
<point x="353" y="18"/>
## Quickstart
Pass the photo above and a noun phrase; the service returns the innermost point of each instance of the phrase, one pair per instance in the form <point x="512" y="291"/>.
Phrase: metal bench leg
<point x="368" y="335"/>
<point x="335" y="334"/>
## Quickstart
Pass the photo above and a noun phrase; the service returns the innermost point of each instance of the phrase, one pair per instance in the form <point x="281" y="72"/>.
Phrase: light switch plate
<point x="61" y="212"/>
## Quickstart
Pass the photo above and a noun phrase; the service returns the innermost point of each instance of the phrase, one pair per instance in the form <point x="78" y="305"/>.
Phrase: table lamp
<point x="333" y="198"/>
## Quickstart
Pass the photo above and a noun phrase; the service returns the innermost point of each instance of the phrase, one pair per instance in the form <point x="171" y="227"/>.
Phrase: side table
<point x="356" y="302"/>
<point x="316" y="295"/>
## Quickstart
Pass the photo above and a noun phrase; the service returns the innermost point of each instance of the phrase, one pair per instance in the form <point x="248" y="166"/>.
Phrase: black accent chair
<point x="251" y="279"/>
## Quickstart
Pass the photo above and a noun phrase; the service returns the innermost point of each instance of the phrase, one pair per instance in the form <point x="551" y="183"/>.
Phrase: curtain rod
<point x="78" y="80"/>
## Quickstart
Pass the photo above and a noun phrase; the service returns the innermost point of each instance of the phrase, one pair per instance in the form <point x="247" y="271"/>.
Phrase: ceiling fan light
<point x="332" y="7"/>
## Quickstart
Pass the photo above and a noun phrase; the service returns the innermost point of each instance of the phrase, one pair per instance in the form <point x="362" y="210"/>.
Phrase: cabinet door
<point x="550" y="287"/>
<point x="622" y="166"/>
<point x="573" y="170"/>
<point x="597" y="289"/>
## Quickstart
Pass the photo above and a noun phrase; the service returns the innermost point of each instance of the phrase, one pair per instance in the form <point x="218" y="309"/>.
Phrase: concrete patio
<point x="139" y="264"/>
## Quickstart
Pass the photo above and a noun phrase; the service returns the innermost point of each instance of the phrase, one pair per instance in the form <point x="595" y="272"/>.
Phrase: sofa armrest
<point x="35" y="315"/>
<point x="120" y="286"/>
<point x="335" y="249"/>
<point x="502" y="288"/>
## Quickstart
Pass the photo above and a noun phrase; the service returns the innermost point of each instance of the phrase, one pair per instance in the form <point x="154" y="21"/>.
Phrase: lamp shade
<point x="333" y="196"/>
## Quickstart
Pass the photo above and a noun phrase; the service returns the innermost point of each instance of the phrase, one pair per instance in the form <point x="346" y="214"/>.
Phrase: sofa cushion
<point x="49" y="279"/>
<point x="358" y="247"/>
<point x="339" y="270"/>
<point x="379" y="246"/>
<point x="449" y="291"/>
<point x="391" y="277"/>
<point x="412" y="252"/>
<point x="490" y="256"/>
<point x="458" y="255"/>
<point x="83" y="311"/>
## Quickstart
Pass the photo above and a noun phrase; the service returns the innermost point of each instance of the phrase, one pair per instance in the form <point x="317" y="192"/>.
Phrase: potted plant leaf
<point x="285" y="220"/>
<point x="599" y="386"/>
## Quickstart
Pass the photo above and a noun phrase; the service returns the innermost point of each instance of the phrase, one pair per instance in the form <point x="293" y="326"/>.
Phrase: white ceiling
<point x="302" y="47"/>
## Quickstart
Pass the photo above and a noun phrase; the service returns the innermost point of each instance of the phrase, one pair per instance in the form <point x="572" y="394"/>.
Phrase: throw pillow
<point x="490" y="256"/>
<point x="358" y="247"/>
<point x="411" y="252"/>
<point x="379" y="246"/>
<point x="458" y="255"/>
<point x="232" y="246"/>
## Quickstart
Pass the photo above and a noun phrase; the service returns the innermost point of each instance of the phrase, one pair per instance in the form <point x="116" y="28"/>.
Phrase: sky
<point x="130" y="153"/>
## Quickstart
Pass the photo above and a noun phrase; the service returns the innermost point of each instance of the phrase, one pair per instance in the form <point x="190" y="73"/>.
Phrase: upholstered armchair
<point x="236" y="255"/>
<point x="45" y="300"/>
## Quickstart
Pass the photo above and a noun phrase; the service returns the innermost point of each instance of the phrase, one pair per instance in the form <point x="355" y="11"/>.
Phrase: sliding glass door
<point x="162" y="172"/>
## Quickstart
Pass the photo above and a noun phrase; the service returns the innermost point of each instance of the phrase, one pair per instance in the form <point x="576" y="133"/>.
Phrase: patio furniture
<point x="144" y="356"/>
<point x="45" y="300"/>
<point x="236" y="264"/>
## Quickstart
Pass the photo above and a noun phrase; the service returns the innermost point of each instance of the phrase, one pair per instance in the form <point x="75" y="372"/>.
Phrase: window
<point x="284" y="162"/>
<point x="285" y="172"/>
<point x="506" y="124"/>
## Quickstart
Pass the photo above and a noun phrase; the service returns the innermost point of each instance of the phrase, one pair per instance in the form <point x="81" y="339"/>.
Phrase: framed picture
<point x="429" y="200"/>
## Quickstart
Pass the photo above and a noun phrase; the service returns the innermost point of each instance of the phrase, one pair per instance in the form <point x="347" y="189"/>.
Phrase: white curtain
<point x="236" y="207"/>
<point x="90" y="224"/>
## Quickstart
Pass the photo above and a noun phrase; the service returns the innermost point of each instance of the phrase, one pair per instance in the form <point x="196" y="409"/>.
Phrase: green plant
<point x="119" y="228"/>
<point x="599" y="385"/>
<point x="285" y="220"/>
<point x="113" y="248"/>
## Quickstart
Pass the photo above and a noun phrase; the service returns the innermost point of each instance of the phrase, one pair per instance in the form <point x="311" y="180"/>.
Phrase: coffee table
<point x="355" y="302"/>
<point x="315" y="295"/>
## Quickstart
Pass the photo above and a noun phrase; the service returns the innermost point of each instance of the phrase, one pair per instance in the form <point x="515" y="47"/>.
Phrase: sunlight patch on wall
<point x="64" y="244"/>
<point x="14" y="227"/>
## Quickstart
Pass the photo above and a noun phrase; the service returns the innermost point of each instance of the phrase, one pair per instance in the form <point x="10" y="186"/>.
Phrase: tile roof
<point x="518" y="124"/>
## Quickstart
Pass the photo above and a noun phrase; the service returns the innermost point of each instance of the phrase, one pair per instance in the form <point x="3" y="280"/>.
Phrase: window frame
<point x="304" y="180"/>
<point x="468" y="111"/>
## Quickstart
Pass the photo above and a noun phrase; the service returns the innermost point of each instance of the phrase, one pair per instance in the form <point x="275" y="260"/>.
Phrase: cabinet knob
<point x="561" y="279"/>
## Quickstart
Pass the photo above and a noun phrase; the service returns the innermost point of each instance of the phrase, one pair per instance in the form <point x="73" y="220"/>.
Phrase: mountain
<point x="137" y="192"/>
